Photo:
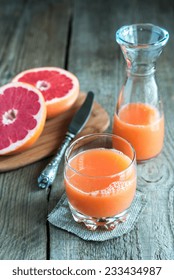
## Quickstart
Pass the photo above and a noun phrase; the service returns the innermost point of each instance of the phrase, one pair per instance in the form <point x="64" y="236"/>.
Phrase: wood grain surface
<point x="54" y="133"/>
<point x="80" y="36"/>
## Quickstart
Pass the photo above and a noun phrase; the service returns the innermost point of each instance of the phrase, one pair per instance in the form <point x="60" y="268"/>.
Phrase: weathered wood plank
<point x="34" y="34"/>
<point x="23" y="208"/>
<point x="97" y="61"/>
<point x="38" y="37"/>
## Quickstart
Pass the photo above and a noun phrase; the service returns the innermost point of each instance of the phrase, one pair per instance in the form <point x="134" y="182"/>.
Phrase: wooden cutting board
<point x="54" y="133"/>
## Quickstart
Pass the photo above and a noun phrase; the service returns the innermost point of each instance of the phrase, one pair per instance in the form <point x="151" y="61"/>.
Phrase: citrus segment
<point x="22" y="117"/>
<point x="59" y="87"/>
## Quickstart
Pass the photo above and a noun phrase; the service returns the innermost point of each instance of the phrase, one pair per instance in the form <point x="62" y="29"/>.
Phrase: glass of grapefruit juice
<point x="100" y="179"/>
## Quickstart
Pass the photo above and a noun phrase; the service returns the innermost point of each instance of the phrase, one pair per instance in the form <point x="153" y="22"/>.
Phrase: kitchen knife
<point x="79" y="120"/>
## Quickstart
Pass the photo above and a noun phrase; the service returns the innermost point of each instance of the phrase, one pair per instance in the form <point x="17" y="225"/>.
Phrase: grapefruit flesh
<point x="60" y="88"/>
<point x="22" y="117"/>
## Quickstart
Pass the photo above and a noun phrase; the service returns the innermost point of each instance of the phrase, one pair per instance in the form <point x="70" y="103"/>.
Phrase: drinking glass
<point x="100" y="179"/>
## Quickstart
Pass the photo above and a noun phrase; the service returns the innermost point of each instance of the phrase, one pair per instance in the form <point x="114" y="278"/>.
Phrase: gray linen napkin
<point x="61" y="217"/>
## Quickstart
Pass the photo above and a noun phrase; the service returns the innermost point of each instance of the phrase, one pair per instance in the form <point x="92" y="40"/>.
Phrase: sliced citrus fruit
<point x="22" y="117"/>
<point x="59" y="87"/>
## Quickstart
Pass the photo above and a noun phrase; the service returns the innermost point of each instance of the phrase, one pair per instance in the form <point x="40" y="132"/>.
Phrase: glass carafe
<point x="139" y="114"/>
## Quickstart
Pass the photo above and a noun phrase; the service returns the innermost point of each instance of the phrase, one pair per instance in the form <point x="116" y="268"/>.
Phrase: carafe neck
<point x="141" y="45"/>
<point x="136" y="69"/>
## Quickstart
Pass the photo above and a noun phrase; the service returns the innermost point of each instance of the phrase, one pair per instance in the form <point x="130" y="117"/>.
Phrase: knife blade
<point x="78" y="122"/>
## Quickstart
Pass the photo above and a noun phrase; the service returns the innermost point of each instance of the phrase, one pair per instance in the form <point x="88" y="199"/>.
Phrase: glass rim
<point x="162" y="41"/>
<point x="69" y="149"/>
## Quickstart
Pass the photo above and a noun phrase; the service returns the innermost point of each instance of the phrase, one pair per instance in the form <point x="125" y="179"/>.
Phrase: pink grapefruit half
<point x="22" y="117"/>
<point x="59" y="87"/>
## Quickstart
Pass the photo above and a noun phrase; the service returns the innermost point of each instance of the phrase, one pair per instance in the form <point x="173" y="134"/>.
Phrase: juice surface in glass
<point x="141" y="125"/>
<point x="100" y="182"/>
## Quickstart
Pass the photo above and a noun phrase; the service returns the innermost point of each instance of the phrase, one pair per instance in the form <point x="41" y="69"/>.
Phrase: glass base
<point x="92" y="223"/>
<point x="143" y="161"/>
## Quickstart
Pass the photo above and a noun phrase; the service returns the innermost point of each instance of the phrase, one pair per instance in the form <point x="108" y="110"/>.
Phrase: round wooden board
<point x="54" y="133"/>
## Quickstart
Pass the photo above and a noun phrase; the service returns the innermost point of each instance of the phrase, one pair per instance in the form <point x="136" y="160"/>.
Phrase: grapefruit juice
<point x="143" y="126"/>
<point x="100" y="182"/>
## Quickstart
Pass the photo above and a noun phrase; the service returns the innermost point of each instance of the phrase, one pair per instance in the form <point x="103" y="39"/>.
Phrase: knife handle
<point x="48" y="175"/>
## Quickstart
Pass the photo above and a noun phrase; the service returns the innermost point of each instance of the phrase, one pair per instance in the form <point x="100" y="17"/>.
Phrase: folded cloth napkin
<point x="61" y="217"/>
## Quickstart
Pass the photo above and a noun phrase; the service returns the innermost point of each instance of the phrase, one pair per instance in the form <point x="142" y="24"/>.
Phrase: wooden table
<point x="80" y="36"/>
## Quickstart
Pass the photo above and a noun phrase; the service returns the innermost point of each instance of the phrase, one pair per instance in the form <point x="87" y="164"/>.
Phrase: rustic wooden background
<point x="80" y="36"/>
